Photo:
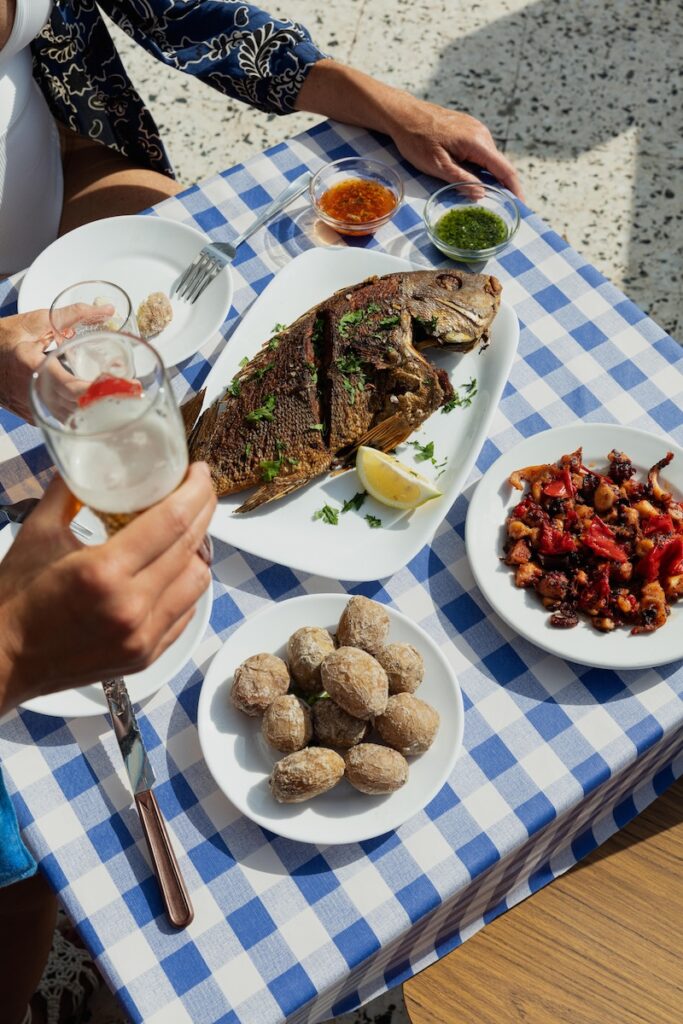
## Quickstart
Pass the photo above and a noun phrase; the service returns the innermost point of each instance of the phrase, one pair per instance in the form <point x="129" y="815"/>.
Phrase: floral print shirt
<point x="235" y="47"/>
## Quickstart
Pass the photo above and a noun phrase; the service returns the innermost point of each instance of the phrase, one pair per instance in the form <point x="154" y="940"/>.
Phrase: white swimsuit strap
<point x="29" y="19"/>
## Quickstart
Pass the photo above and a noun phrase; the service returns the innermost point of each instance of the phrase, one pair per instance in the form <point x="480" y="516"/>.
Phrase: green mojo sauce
<point x="471" y="227"/>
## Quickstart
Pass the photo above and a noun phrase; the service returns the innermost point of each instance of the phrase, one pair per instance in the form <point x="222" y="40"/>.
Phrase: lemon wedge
<point x="391" y="482"/>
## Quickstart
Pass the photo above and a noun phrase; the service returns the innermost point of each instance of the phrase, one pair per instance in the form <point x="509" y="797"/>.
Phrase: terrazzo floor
<point x="584" y="97"/>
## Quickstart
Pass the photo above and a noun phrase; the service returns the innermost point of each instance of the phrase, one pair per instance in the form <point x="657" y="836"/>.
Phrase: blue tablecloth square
<point x="110" y="837"/>
<point x="541" y="876"/>
<point x="551" y="298"/>
<point x="549" y="718"/>
<point x="188" y="696"/>
<point x="543" y="361"/>
<point x="397" y="974"/>
<point x="588" y="336"/>
<point x="515" y="262"/>
<point x="185" y="968"/>
<point x="531" y="425"/>
<point x="292" y="988"/>
<point x="144" y="901"/>
<point x="591" y="275"/>
<point x="625" y="812"/>
<point x="493" y="757"/>
<point x="463" y="612"/>
<point x="629" y="312"/>
<point x="251" y="923"/>
<point x="418" y="898"/>
<point x="380" y="846"/>
<point x="356" y="942"/>
<point x="445" y="800"/>
<point x="487" y="456"/>
<point x="211" y="858"/>
<point x="224" y="611"/>
<point x="495" y="912"/>
<point x="535" y="813"/>
<point x="627" y="374"/>
<point x="591" y="773"/>
<point x="50" y="866"/>
<point x="315" y="879"/>
<point x="668" y="415"/>
<point x="602" y="683"/>
<point x="505" y="664"/>
<point x="556" y="242"/>
<point x="75" y="777"/>
<point x="175" y="796"/>
<point x="210" y="219"/>
<point x="479" y="854"/>
<point x="277" y="581"/>
<point x="581" y="401"/>
<point x="349" y="1002"/>
<point x="645" y="733"/>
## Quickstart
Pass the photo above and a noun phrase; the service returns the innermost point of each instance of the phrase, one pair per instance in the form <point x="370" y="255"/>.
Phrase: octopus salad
<point x="607" y="546"/>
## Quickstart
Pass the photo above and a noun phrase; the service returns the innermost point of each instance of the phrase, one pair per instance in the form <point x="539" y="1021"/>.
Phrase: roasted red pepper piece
<point x="664" y="560"/>
<point x="562" y="487"/>
<point x="600" y="539"/>
<point x="107" y="386"/>
<point x="553" y="542"/>
<point x="658" y="524"/>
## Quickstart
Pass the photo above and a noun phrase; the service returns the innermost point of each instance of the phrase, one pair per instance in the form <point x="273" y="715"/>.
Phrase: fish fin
<point x="385" y="435"/>
<point x="272" y="491"/>
<point x="191" y="409"/>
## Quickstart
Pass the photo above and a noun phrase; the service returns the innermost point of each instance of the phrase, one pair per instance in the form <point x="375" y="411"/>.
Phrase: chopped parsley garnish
<point x="389" y="321"/>
<point x="459" y="401"/>
<point x="349" y="365"/>
<point x="280" y="446"/>
<point x="428" y="325"/>
<point x="316" y="426"/>
<point x="328" y="515"/>
<point x="259" y="374"/>
<point x="279" y="328"/>
<point x="424" y="451"/>
<point x="234" y="387"/>
<point x="264" y="412"/>
<point x="270" y="468"/>
<point x="292" y="462"/>
<point x="355" y="502"/>
<point x="243" y="361"/>
<point x="373" y="522"/>
<point x="247" y="451"/>
<point x="311" y="367"/>
<point x="318" y="334"/>
<point x="356" y="317"/>
<point x="273" y="343"/>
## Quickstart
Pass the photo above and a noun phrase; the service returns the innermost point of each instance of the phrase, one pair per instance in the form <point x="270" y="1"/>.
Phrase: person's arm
<point x="237" y="48"/>
<point x="434" y="139"/>
<point x="71" y="615"/>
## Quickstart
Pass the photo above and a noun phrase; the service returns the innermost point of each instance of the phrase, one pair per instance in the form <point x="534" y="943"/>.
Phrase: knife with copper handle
<point x="174" y="893"/>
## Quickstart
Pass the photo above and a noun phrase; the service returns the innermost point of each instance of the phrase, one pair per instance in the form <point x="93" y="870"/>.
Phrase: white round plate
<point x="88" y="701"/>
<point x="522" y="609"/>
<point x="240" y="760"/>
<point x="141" y="255"/>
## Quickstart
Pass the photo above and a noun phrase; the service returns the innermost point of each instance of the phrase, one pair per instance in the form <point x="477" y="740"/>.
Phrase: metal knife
<point x="176" y="899"/>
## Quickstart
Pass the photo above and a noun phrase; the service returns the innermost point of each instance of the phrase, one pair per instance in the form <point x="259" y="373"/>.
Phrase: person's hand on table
<point x="23" y="340"/>
<point x="434" y="139"/>
<point x="72" y="614"/>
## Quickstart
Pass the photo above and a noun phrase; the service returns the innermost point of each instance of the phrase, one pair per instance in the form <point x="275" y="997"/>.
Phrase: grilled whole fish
<point x="348" y="372"/>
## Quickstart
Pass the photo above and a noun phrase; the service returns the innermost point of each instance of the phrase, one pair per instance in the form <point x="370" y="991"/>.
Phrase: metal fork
<point x="213" y="257"/>
<point x="17" y="512"/>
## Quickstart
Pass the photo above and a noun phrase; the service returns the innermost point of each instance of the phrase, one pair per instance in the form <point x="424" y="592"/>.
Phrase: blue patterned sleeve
<point x="235" y="47"/>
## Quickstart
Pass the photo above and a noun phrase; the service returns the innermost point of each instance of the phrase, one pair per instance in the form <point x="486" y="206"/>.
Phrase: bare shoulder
<point x="7" y="11"/>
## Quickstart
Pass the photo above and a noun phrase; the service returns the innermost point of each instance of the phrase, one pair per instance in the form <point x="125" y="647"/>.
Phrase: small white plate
<point x="241" y="761"/>
<point x="141" y="255"/>
<point x="88" y="701"/>
<point x="284" y="531"/>
<point x="522" y="609"/>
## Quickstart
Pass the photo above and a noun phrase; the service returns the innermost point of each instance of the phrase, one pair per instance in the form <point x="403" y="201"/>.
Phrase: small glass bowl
<point x="355" y="167"/>
<point x="462" y="194"/>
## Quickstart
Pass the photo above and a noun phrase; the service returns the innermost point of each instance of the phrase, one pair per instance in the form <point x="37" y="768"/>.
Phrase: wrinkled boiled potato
<point x="375" y="770"/>
<point x="305" y="774"/>
<point x="403" y="665"/>
<point x="334" y="727"/>
<point x="257" y="682"/>
<point x="356" y="682"/>
<point x="408" y="724"/>
<point x="306" y="650"/>
<point x="363" y="623"/>
<point x="286" y="724"/>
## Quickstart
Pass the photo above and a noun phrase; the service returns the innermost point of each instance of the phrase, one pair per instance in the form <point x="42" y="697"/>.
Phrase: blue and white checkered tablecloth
<point x="556" y="756"/>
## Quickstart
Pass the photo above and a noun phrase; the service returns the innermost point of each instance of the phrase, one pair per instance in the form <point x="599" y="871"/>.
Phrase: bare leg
<point x="28" y="911"/>
<point x="101" y="183"/>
